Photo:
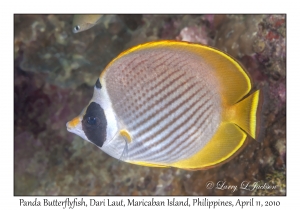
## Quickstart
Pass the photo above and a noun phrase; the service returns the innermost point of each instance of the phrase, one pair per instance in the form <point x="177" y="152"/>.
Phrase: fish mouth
<point x="71" y="125"/>
<point x="69" y="128"/>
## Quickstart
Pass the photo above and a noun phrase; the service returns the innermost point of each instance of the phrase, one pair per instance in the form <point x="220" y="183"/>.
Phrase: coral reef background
<point x="54" y="74"/>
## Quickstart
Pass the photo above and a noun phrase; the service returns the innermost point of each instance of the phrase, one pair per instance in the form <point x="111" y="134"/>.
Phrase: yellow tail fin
<point x="246" y="113"/>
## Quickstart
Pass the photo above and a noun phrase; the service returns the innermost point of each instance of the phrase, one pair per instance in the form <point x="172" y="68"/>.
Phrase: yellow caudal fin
<point x="247" y="113"/>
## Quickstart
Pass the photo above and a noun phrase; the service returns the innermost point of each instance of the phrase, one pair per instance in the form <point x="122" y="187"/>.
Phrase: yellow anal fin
<point x="226" y="142"/>
<point x="246" y="113"/>
<point x="147" y="164"/>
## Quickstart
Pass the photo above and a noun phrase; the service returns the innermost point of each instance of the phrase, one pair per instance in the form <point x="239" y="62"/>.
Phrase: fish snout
<point x="71" y="125"/>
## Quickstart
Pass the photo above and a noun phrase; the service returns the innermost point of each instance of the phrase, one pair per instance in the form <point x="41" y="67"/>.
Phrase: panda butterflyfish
<point x="84" y="22"/>
<point x="171" y="104"/>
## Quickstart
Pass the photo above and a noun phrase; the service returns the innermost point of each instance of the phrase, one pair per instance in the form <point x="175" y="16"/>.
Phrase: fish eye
<point x="92" y="120"/>
<point x="76" y="28"/>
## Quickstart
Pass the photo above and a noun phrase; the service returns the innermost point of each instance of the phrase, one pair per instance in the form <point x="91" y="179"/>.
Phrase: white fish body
<point x="161" y="104"/>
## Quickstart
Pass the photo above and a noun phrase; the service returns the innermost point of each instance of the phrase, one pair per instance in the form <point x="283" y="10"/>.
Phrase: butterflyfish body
<point x="171" y="104"/>
<point x="84" y="22"/>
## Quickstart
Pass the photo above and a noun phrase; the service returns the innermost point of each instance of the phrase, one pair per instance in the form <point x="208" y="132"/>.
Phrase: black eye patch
<point x="94" y="124"/>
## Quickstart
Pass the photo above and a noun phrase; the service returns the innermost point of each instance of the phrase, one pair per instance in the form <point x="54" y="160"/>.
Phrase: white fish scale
<point x="181" y="147"/>
<point x="207" y="125"/>
<point x="175" y="150"/>
<point x="155" y="97"/>
<point x="129" y="107"/>
<point x="165" y="98"/>
<point x="162" y="118"/>
<point x="186" y="148"/>
<point x="167" y="118"/>
<point x="118" y="84"/>
<point x="150" y="151"/>
<point x="123" y="99"/>
<point x="153" y="87"/>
